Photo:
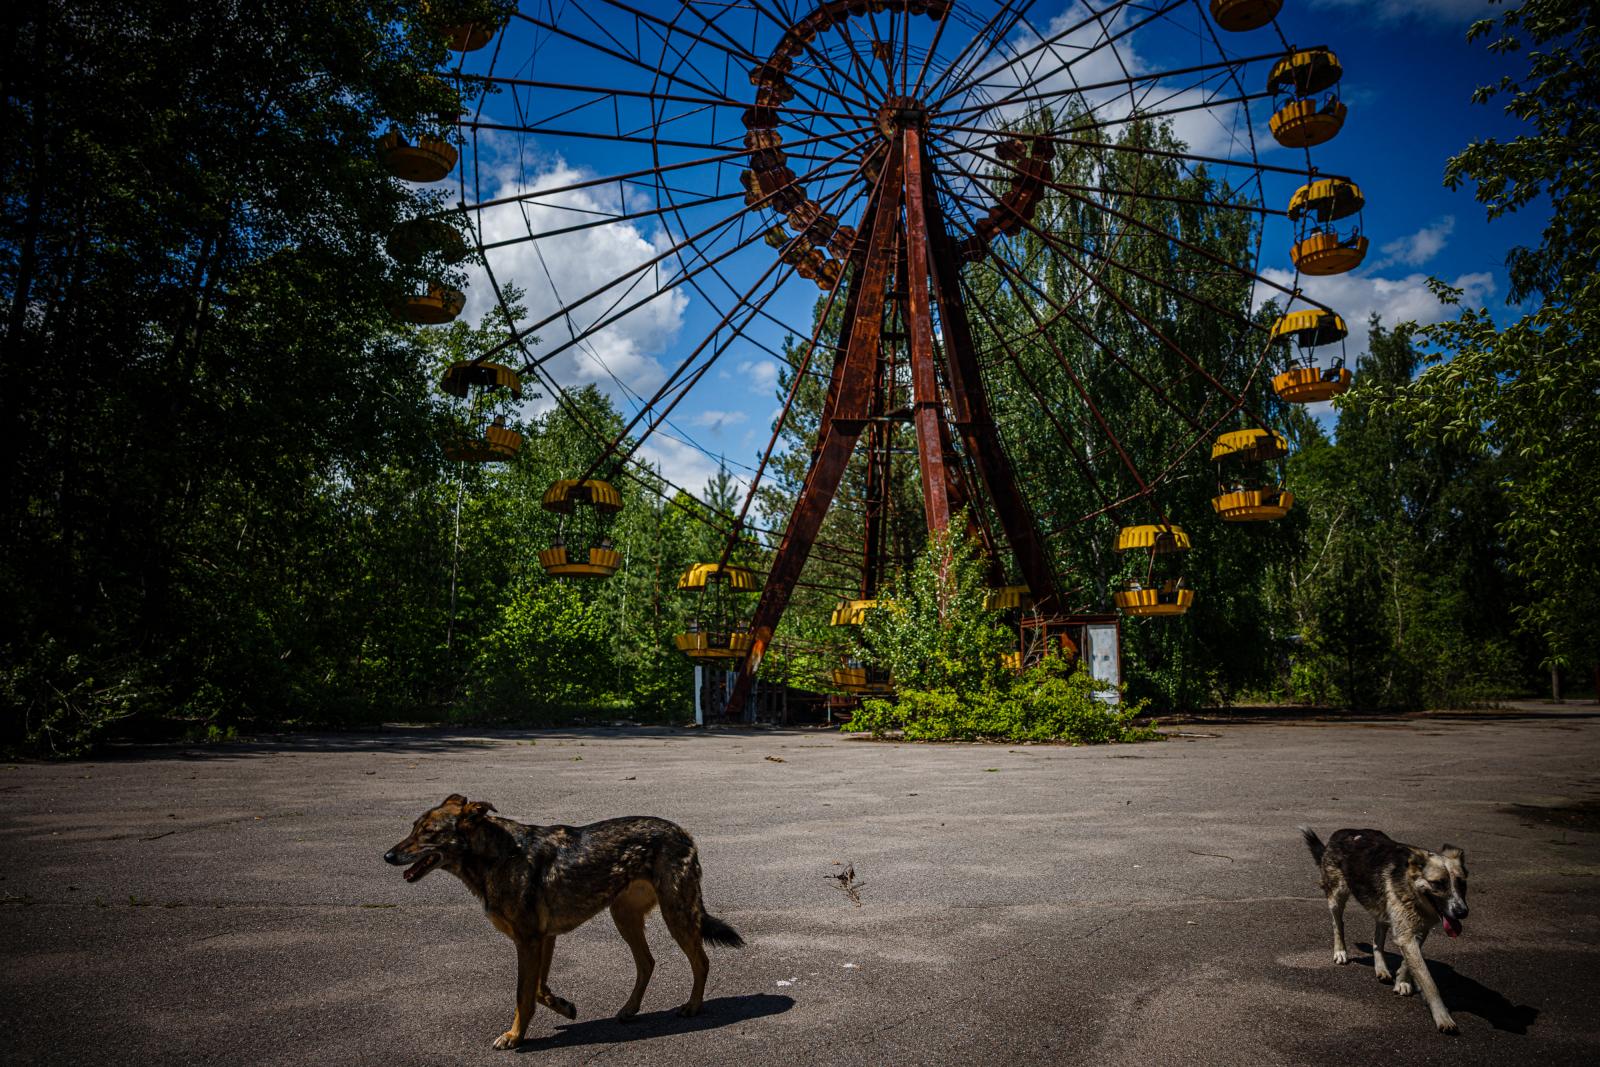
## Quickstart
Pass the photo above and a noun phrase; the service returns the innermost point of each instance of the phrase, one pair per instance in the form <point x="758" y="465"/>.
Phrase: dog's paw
<point x="1447" y="1025"/>
<point x="562" y="1006"/>
<point x="509" y="1039"/>
<point x="1341" y="957"/>
<point x="688" y="1011"/>
<point x="628" y="1011"/>
<point x="1403" y="989"/>
<point x="1385" y="977"/>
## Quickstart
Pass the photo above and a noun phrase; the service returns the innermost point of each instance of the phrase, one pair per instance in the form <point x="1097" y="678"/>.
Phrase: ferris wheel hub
<point x="901" y="113"/>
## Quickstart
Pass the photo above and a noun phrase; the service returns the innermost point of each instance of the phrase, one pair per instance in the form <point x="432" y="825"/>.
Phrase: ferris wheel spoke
<point x="643" y="94"/>
<point x="727" y="316"/>
<point x="1072" y="447"/>
<point x="1019" y="96"/>
<point x="1078" y="386"/>
<point x="866" y="71"/>
<point x="1076" y="195"/>
<point x="984" y="33"/>
<point x="589" y="135"/>
<point x="1110" y="291"/>
<point x="1063" y="311"/>
<point x="636" y="61"/>
<point x="799" y="375"/>
<point x="634" y="176"/>
<point x="823" y="64"/>
<point x="678" y="246"/>
<point x="1111" y="146"/>
<point x="1106" y="123"/>
<point x="971" y="82"/>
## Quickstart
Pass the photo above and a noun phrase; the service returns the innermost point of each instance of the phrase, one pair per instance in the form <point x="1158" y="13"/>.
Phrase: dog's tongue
<point x="1451" y="927"/>
<point x="413" y="872"/>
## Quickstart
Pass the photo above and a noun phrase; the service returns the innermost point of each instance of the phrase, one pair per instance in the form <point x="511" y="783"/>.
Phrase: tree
<point x="196" y="344"/>
<point x="1529" y="391"/>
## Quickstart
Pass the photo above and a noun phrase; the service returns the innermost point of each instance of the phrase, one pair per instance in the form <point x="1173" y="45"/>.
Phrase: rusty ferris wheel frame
<point x="851" y="106"/>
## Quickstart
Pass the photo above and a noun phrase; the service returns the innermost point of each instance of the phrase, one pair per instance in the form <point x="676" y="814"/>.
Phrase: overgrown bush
<point x="551" y="649"/>
<point x="1055" y="701"/>
<point x="943" y="649"/>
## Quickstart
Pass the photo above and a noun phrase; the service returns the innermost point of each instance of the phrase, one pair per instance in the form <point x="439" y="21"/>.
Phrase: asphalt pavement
<point x="1139" y="904"/>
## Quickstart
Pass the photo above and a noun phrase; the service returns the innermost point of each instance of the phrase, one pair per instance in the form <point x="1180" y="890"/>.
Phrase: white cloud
<point x="686" y="466"/>
<point x="1453" y="11"/>
<point x="556" y="271"/>
<point x="1216" y="130"/>
<point x="1357" y="297"/>
<point x="760" y="375"/>
<point x="1417" y="248"/>
<point x="717" y="421"/>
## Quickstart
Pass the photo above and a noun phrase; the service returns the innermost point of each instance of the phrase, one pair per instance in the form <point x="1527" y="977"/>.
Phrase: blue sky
<point x="1409" y="75"/>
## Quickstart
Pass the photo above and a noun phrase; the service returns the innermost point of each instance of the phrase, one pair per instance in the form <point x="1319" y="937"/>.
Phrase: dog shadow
<point x="720" y="1011"/>
<point x="1463" y="994"/>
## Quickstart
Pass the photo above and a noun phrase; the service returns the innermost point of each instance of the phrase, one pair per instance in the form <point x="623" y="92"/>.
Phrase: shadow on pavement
<point x="721" y="1011"/>
<point x="1463" y="994"/>
<point x="427" y="740"/>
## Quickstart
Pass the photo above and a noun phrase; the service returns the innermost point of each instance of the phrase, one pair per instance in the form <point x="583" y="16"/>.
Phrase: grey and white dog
<point x="1407" y="889"/>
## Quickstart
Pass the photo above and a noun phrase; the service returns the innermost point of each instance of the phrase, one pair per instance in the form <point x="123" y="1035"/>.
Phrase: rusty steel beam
<point x="842" y="423"/>
<point x="927" y="404"/>
<point x="973" y="421"/>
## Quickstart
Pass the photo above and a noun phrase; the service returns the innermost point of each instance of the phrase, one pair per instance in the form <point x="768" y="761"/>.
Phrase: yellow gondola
<point x="718" y="632"/>
<point x="1158" y="540"/>
<point x="1240" y="495"/>
<point x="1256" y="446"/>
<point x="1152" y="595"/>
<point x="497" y="445"/>
<point x="431" y="159"/>
<point x="1241" y="16"/>
<point x="1304" y="121"/>
<point x="1311" y="385"/>
<point x="1310" y="328"/>
<point x="851" y="612"/>
<point x="601" y="561"/>
<point x="438" y="305"/>
<point x="1008" y="598"/>
<point x="1319" y="248"/>
<point x="583" y="550"/>
<point x="460" y="378"/>
<point x="415" y="239"/>
<point x="705" y="648"/>
<point x="1169" y="598"/>
<point x="1253" y="505"/>
<point x="1325" y="252"/>
<point x="867" y="681"/>
<point x="470" y="36"/>
<point x="1306" y="384"/>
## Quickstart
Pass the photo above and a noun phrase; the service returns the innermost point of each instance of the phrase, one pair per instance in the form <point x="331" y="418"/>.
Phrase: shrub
<point x="1054" y="701"/>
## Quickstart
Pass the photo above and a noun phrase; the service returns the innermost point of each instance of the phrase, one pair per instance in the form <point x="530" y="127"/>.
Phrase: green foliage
<point x="1402" y="596"/>
<point x="943" y="649"/>
<point x="548" y="650"/>
<point x="1528" y="393"/>
<point x="1053" y="701"/>
<point x="932" y="631"/>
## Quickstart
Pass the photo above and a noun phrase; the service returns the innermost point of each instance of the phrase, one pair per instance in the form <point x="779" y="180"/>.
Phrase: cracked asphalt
<point x="1146" y="904"/>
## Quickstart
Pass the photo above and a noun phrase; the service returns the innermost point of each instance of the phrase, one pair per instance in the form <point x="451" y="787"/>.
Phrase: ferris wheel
<point x="910" y="204"/>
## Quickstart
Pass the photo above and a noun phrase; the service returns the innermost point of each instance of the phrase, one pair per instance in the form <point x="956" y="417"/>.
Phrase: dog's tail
<point x="1313" y="842"/>
<point x="716" y="932"/>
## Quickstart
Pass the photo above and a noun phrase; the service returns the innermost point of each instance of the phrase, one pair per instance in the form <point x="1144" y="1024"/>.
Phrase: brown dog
<point x="538" y="882"/>
<point x="1407" y="889"/>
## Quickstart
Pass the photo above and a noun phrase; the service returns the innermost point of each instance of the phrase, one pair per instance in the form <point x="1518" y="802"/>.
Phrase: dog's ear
<point x="454" y="800"/>
<point x="476" y="809"/>
<point x="1450" y="852"/>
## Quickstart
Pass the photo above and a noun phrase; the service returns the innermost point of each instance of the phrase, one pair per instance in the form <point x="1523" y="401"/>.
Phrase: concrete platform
<point x="1145" y="904"/>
